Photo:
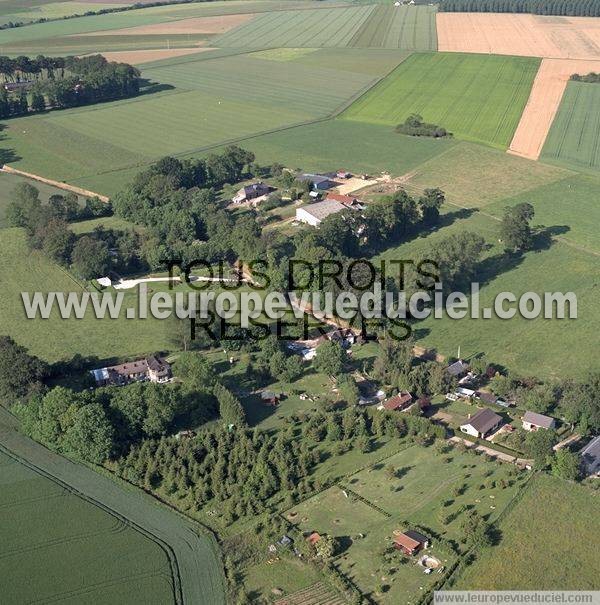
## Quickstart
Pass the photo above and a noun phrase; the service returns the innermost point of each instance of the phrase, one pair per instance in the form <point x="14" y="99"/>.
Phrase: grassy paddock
<point x="548" y="542"/>
<point x="476" y="97"/>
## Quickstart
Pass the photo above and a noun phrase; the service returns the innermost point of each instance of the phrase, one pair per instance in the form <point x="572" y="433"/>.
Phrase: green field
<point x="476" y="97"/>
<point x="575" y="132"/>
<point x="528" y="347"/>
<point x="54" y="339"/>
<point x="53" y="540"/>
<point x="208" y="102"/>
<point x="571" y="202"/>
<point x="473" y="176"/>
<point x="406" y="27"/>
<point x="328" y="145"/>
<point x="549" y="542"/>
<point x="409" y="28"/>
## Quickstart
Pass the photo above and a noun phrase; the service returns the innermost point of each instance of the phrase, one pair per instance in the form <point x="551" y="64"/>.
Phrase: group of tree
<point x="415" y="127"/>
<point x="47" y="228"/>
<point x="515" y="228"/>
<point x="398" y="368"/>
<point x="61" y="82"/>
<point x="175" y="200"/>
<point x="591" y="78"/>
<point x="570" y="8"/>
<point x="21" y="374"/>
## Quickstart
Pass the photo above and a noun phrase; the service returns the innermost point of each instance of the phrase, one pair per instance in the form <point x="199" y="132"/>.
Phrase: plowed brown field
<point x="137" y="57"/>
<point x="196" y="25"/>
<point x="546" y="94"/>
<point x="519" y="34"/>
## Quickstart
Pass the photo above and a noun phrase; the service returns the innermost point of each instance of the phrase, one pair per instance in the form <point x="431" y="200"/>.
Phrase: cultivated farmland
<point x="546" y="94"/>
<point x="53" y="540"/>
<point x="573" y="140"/>
<point x="476" y="97"/>
<point x="520" y="34"/>
<point x="552" y="519"/>
<point x="408" y="28"/>
<point x="208" y="102"/>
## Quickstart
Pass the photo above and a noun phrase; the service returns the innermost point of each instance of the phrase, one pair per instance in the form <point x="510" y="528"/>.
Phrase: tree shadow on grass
<point x="147" y="87"/>
<point x="7" y="155"/>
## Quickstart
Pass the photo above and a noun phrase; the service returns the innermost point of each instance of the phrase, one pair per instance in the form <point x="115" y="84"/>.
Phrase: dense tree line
<point x="61" y="82"/>
<point x="571" y="8"/>
<point x="21" y="374"/>
<point x="591" y="78"/>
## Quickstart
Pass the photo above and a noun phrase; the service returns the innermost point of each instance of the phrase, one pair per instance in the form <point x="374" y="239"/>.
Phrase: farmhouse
<point x="150" y="368"/>
<point x="315" y="214"/>
<point x="313" y="538"/>
<point x="270" y="398"/>
<point x="482" y="423"/>
<point x="458" y="369"/>
<point x="410" y="542"/>
<point x="533" y="421"/>
<point x="318" y="182"/>
<point x="590" y="457"/>
<point x="250" y="192"/>
<point x="400" y="402"/>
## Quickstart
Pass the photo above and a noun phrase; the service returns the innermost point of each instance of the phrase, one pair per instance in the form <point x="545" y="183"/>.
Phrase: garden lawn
<point x="476" y="97"/>
<point x="553" y="518"/>
<point x="575" y="132"/>
<point x="52" y="544"/>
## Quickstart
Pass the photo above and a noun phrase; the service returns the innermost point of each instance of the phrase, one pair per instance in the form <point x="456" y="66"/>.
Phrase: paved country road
<point x="194" y="555"/>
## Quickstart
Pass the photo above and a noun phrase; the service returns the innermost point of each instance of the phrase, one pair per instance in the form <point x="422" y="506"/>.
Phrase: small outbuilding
<point x="410" y="542"/>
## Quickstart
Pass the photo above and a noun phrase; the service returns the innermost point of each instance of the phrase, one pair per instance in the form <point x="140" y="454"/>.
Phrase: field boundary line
<point x="165" y="547"/>
<point x="58" y="184"/>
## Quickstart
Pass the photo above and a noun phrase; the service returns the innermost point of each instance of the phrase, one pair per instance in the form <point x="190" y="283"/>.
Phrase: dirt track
<point x="195" y="25"/>
<point x="519" y="34"/>
<point x="543" y="103"/>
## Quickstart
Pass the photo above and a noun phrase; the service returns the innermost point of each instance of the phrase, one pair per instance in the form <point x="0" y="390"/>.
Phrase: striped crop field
<point x="405" y="27"/>
<point x="207" y="103"/>
<point x="53" y="541"/>
<point x="370" y="26"/>
<point x="476" y="97"/>
<point x="303" y="28"/>
<point x="573" y="140"/>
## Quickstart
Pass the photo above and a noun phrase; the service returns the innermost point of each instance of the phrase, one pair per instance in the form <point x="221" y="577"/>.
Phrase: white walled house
<point x="482" y="423"/>
<point x="533" y="421"/>
<point x="314" y="214"/>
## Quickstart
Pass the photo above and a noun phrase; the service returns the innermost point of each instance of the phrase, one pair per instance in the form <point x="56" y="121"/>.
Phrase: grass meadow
<point x="476" y="97"/>
<point x="208" y="102"/>
<point x="573" y="137"/>
<point x="58" y="546"/>
<point x="548" y="542"/>
<point x="56" y="339"/>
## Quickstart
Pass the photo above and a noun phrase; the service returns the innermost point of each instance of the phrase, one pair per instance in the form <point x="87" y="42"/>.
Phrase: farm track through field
<point x="192" y="554"/>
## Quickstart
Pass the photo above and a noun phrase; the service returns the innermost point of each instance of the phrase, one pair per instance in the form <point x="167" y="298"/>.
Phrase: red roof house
<point x="399" y="402"/>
